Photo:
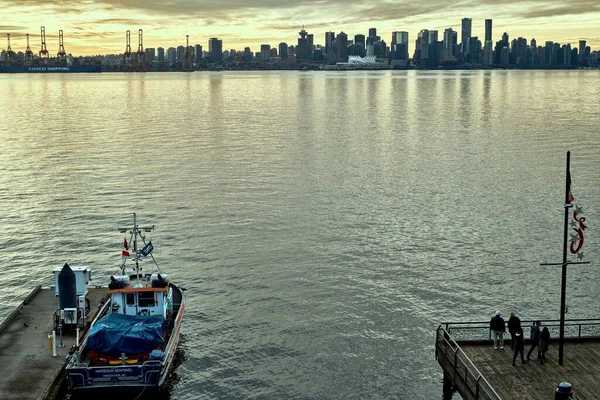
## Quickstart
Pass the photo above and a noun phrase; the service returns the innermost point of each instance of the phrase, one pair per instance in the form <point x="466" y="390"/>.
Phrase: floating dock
<point x="28" y="369"/>
<point x="474" y="370"/>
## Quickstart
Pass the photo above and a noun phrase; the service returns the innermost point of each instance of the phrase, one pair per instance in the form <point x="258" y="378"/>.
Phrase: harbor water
<point x="323" y="223"/>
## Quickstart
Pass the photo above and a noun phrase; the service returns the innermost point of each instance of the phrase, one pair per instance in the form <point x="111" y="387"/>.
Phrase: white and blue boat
<point x="132" y="341"/>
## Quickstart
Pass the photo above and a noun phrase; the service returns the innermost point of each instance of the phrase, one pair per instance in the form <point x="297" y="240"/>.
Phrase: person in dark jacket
<point x="535" y="339"/>
<point x="544" y="343"/>
<point x="498" y="328"/>
<point x="514" y="324"/>
<point x="519" y="345"/>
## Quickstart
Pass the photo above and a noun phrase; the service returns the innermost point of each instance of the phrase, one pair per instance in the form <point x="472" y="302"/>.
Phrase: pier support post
<point x="448" y="388"/>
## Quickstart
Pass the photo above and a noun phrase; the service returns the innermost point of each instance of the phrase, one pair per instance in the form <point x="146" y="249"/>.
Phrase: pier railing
<point x="574" y="328"/>
<point x="460" y="370"/>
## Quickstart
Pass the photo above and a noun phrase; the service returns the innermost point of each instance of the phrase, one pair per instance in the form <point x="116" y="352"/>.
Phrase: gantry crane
<point x="44" y="54"/>
<point x="28" y="53"/>
<point x="127" y="54"/>
<point x="140" y="55"/>
<point x="62" y="54"/>
<point x="10" y="54"/>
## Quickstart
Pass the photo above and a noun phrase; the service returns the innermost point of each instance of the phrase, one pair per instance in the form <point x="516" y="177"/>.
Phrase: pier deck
<point x="473" y="369"/>
<point x="27" y="368"/>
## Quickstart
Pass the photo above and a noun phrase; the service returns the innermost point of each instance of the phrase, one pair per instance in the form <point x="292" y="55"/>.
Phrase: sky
<point x="98" y="26"/>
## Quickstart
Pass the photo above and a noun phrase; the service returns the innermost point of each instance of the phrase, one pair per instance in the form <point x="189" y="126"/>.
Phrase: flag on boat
<point x="146" y="250"/>
<point x="125" y="248"/>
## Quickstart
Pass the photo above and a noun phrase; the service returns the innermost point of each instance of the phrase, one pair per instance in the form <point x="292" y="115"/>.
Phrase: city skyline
<point x="98" y="26"/>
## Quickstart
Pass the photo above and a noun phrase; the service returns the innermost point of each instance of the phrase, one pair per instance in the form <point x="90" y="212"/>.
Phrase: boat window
<point x="146" y="299"/>
<point x="130" y="299"/>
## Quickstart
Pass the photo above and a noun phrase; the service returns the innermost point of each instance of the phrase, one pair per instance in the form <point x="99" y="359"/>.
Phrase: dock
<point x="28" y="369"/>
<point x="474" y="370"/>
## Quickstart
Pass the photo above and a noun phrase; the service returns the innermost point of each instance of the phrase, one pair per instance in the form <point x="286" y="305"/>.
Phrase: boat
<point x="20" y="69"/>
<point x="131" y="343"/>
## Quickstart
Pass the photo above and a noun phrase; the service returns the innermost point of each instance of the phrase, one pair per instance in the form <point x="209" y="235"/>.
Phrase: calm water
<point x="324" y="223"/>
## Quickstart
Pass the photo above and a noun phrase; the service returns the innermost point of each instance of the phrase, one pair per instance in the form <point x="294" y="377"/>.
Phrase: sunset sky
<point x="98" y="26"/>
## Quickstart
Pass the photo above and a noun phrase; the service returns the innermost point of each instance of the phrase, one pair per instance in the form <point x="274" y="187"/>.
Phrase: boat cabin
<point x="144" y="295"/>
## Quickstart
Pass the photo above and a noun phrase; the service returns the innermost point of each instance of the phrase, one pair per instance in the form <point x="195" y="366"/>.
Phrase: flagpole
<point x="563" y="285"/>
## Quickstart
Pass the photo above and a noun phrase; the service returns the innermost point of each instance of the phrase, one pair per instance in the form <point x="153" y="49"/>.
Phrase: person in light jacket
<point x="498" y="328"/>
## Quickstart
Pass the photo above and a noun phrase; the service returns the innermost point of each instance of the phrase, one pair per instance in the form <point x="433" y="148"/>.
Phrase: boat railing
<point x="574" y="328"/>
<point x="456" y="364"/>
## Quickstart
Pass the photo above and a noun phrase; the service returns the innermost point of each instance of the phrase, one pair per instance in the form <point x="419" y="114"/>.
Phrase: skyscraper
<point x="581" y="54"/>
<point x="265" y="52"/>
<point x="399" y="38"/>
<point x="360" y="40"/>
<point x="449" y="41"/>
<point x="329" y="42"/>
<point x="342" y="47"/>
<point x="488" y="30"/>
<point x="197" y="53"/>
<point x="160" y="53"/>
<point x="215" y="50"/>
<point x="283" y="51"/>
<point x="302" y="50"/>
<point x="465" y="37"/>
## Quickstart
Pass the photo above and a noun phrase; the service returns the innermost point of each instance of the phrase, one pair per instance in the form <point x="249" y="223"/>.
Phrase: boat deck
<point x="27" y="368"/>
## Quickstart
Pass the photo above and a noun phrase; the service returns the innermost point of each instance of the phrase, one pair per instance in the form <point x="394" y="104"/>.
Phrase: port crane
<point x="28" y="53"/>
<point x="9" y="51"/>
<point x="62" y="54"/>
<point x="127" y="54"/>
<point x="140" y="55"/>
<point x="44" y="54"/>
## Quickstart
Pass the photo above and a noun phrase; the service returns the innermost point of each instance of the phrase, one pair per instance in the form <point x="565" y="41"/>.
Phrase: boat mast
<point x="135" y="231"/>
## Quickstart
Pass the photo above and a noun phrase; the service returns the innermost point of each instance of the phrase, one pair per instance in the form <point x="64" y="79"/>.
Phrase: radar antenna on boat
<point x="136" y="231"/>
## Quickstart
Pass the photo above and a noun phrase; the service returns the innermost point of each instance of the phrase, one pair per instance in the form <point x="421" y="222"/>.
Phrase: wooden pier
<point x="27" y="368"/>
<point x="474" y="370"/>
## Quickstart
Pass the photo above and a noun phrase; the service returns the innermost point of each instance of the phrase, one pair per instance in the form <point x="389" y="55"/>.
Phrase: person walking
<point x="544" y="343"/>
<point x="498" y="328"/>
<point x="519" y="345"/>
<point x="514" y="324"/>
<point x="535" y="339"/>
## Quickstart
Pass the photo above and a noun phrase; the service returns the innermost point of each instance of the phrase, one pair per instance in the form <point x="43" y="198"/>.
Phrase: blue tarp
<point x="130" y="334"/>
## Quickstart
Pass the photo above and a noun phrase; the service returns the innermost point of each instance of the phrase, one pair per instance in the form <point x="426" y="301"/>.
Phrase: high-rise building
<point x="150" y="54"/>
<point x="215" y="50"/>
<point x="171" y="55"/>
<point x="160" y="53"/>
<point x="342" y="47"/>
<point x="180" y="52"/>
<point x="283" y="51"/>
<point x="399" y="38"/>
<point x="372" y="32"/>
<point x="581" y="54"/>
<point x="450" y="36"/>
<point x="465" y="37"/>
<point x="198" y="53"/>
<point x="302" y="50"/>
<point x="488" y="30"/>
<point x="265" y="52"/>
<point x="360" y="40"/>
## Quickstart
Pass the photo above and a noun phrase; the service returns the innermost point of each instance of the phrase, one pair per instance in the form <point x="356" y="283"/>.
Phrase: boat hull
<point x="150" y="375"/>
<point x="17" y="69"/>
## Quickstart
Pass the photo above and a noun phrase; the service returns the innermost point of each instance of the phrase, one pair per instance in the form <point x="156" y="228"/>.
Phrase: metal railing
<point x="466" y="378"/>
<point x="574" y="328"/>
